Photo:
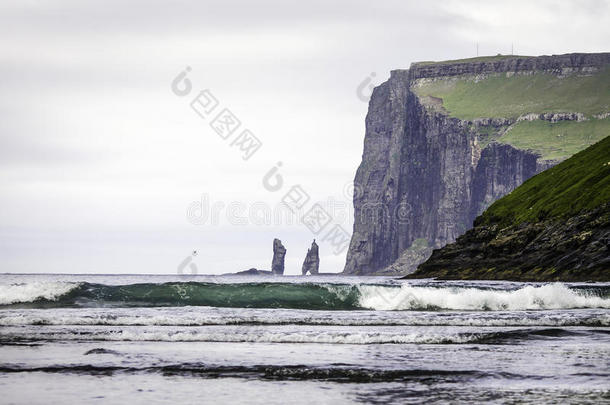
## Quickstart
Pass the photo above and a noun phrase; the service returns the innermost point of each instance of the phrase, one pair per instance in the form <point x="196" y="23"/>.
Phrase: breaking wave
<point x="314" y="296"/>
<point x="550" y="296"/>
<point x="34" y="291"/>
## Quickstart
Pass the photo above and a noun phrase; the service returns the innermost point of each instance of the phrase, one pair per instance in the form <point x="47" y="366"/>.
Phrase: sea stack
<point x="312" y="260"/>
<point x="279" y="252"/>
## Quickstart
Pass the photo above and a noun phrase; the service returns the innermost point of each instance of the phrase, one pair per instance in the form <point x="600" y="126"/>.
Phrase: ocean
<point x="146" y="339"/>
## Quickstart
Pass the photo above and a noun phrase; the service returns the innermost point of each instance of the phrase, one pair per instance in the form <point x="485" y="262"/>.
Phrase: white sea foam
<point x="32" y="291"/>
<point x="204" y="316"/>
<point x="253" y="336"/>
<point x="549" y="296"/>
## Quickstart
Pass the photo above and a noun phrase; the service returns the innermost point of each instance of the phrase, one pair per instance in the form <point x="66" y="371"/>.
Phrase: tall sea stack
<point x="279" y="252"/>
<point x="444" y="140"/>
<point x="312" y="260"/>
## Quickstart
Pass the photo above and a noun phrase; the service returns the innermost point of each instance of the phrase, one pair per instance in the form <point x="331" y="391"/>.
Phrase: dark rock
<point x="573" y="249"/>
<point x="279" y="252"/>
<point x="250" y="272"/>
<point x="312" y="260"/>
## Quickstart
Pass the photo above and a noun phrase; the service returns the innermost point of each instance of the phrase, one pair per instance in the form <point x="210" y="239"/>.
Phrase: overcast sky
<point x="100" y="160"/>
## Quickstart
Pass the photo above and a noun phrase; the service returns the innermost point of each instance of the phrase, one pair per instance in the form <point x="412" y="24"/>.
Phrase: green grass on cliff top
<point x="501" y="96"/>
<point x="579" y="183"/>
<point x="555" y="141"/>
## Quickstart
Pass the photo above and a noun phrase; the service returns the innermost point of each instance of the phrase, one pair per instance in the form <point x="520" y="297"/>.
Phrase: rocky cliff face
<point x="425" y="175"/>
<point x="554" y="227"/>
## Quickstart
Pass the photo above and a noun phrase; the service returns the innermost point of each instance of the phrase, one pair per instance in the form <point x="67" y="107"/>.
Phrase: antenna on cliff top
<point x="511" y="48"/>
<point x="477" y="49"/>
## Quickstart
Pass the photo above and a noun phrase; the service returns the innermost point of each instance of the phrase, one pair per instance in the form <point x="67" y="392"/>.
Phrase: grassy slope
<point x="581" y="182"/>
<point x="510" y="97"/>
<point x="556" y="140"/>
<point x="499" y="96"/>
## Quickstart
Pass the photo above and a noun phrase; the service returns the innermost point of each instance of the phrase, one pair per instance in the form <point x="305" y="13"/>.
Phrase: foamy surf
<point x="246" y="335"/>
<point x="550" y="296"/>
<point x="33" y="291"/>
<point x="287" y="334"/>
<point x="208" y="316"/>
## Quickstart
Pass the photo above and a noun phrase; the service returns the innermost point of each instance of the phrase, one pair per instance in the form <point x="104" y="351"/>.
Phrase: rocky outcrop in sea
<point x="279" y="253"/>
<point x="311" y="264"/>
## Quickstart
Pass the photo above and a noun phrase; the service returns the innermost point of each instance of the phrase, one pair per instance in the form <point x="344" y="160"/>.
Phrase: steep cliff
<point x="554" y="227"/>
<point x="445" y="140"/>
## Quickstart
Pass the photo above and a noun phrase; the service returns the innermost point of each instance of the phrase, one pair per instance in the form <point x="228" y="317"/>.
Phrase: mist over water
<point x="291" y="338"/>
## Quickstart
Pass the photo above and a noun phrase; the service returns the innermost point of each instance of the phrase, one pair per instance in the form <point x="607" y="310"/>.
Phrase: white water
<point x="549" y="296"/>
<point x="32" y="291"/>
<point x="326" y="335"/>
<point x="201" y="316"/>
